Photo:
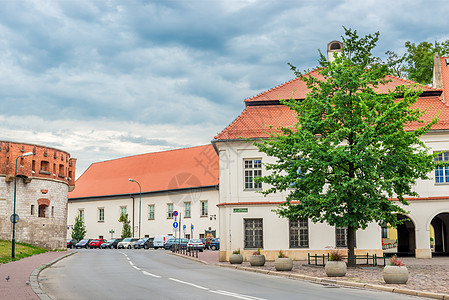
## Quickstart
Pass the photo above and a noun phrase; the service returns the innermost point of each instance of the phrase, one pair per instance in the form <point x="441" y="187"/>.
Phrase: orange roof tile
<point x="297" y="88"/>
<point x="255" y="121"/>
<point x="445" y="75"/>
<point x="160" y="171"/>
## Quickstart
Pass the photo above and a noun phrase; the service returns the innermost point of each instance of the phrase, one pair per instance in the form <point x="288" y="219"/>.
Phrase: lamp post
<point x="140" y="201"/>
<point x="13" y="250"/>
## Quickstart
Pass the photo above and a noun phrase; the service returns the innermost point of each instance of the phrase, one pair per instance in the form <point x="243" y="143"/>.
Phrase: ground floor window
<point x="341" y="237"/>
<point x="253" y="233"/>
<point x="299" y="233"/>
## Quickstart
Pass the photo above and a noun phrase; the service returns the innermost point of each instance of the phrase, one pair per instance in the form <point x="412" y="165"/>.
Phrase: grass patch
<point x="22" y="250"/>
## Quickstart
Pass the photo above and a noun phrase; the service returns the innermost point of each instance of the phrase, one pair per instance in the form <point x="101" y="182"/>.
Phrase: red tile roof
<point x="445" y="75"/>
<point x="255" y="121"/>
<point x="160" y="171"/>
<point x="297" y="88"/>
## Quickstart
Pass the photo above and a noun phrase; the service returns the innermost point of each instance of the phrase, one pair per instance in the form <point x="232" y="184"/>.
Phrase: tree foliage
<point x="349" y="152"/>
<point x="79" y="229"/>
<point x="126" y="230"/>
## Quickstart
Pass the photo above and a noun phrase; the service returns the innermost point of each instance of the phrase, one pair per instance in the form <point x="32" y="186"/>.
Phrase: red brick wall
<point x="49" y="163"/>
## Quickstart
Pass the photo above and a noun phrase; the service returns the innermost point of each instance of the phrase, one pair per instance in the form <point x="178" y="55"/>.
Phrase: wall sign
<point x="240" y="210"/>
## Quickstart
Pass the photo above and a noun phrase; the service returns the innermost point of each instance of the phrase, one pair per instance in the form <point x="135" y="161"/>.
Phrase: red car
<point x="96" y="243"/>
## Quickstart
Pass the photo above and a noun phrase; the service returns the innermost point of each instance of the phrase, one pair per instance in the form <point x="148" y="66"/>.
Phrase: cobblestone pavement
<point x="19" y="273"/>
<point x="428" y="275"/>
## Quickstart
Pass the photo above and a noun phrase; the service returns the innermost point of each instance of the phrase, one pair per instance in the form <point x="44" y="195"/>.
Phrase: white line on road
<point x="188" y="283"/>
<point x="239" y="296"/>
<point x="149" y="274"/>
<point x="131" y="263"/>
<point x="136" y="268"/>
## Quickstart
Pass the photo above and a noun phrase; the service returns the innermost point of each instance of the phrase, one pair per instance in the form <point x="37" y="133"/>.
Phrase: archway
<point x="440" y="243"/>
<point x="406" y="237"/>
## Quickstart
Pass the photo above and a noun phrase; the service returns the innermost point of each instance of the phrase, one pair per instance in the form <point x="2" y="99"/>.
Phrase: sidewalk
<point x="426" y="276"/>
<point x="19" y="272"/>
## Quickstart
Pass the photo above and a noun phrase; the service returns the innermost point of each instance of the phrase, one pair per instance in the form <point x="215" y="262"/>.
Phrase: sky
<point x="106" y="79"/>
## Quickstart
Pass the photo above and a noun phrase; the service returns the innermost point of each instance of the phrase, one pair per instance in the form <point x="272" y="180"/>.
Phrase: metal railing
<point x="365" y="260"/>
<point x="182" y="249"/>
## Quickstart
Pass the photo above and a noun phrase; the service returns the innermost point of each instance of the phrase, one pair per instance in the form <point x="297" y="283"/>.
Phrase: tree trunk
<point x="351" y="238"/>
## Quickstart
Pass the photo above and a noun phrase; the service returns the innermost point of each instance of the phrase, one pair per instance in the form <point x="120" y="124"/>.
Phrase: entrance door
<point x="42" y="211"/>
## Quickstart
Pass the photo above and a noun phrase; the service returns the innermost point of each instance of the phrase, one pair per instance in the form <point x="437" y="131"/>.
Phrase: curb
<point x="336" y="282"/>
<point x="34" y="280"/>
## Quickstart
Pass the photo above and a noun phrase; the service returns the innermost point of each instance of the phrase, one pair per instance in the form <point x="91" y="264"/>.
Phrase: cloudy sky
<point x="106" y="79"/>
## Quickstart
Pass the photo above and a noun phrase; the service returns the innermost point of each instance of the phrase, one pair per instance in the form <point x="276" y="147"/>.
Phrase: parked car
<point x="215" y="244"/>
<point x="71" y="243"/>
<point x="83" y="244"/>
<point x="127" y="243"/>
<point x="145" y="243"/>
<point x="112" y="243"/>
<point x="160" y="240"/>
<point x="182" y="242"/>
<point x="96" y="243"/>
<point x="195" y="244"/>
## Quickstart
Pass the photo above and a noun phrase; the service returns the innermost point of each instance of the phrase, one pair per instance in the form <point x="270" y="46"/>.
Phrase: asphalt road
<point x="156" y="274"/>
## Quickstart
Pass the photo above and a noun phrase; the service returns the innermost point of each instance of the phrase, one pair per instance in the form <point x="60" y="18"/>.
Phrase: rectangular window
<point x="32" y="209"/>
<point x="299" y="234"/>
<point x="52" y="211"/>
<point x="101" y="237"/>
<point x="201" y="235"/>
<point x="101" y="214"/>
<point x="253" y="168"/>
<point x="442" y="173"/>
<point x="253" y="233"/>
<point x="150" y="212"/>
<point x="81" y="212"/>
<point x="341" y="237"/>
<point x="169" y="210"/>
<point x="204" y="209"/>
<point x="123" y="210"/>
<point x="187" y="213"/>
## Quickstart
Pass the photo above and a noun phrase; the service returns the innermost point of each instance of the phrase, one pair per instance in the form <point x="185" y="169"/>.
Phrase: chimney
<point x="334" y="46"/>
<point x="437" y="81"/>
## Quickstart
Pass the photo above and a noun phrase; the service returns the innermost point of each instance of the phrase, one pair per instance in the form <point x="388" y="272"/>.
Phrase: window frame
<point x="100" y="216"/>
<point x="204" y="208"/>
<point x="338" y="237"/>
<point x="255" y="239"/>
<point x="187" y="209"/>
<point x="170" y="210"/>
<point x="441" y="172"/>
<point x="252" y="168"/>
<point x="297" y="229"/>
<point x="151" y="212"/>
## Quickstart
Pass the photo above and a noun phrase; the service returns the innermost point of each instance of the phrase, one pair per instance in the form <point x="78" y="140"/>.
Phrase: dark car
<point x="71" y="243"/>
<point x="215" y="244"/>
<point x="96" y="243"/>
<point x="145" y="243"/>
<point x="111" y="244"/>
<point x="170" y="243"/>
<point x="83" y="244"/>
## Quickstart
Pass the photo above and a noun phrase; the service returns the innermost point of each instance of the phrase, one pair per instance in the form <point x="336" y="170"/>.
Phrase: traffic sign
<point x="191" y="226"/>
<point x="184" y="226"/>
<point x="175" y="224"/>
<point x="14" y="218"/>
<point x="175" y="213"/>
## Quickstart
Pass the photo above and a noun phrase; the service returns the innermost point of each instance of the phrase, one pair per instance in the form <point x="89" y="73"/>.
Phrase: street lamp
<point x="13" y="250"/>
<point x="140" y="202"/>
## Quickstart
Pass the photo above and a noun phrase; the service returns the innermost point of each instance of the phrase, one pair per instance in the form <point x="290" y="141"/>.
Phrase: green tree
<point x="349" y="153"/>
<point x="419" y="60"/>
<point x="79" y="229"/>
<point x="126" y="230"/>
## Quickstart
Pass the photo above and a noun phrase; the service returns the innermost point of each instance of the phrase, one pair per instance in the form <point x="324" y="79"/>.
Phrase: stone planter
<point x="257" y="260"/>
<point x="283" y="264"/>
<point x="335" y="268"/>
<point x="236" y="258"/>
<point x="395" y="274"/>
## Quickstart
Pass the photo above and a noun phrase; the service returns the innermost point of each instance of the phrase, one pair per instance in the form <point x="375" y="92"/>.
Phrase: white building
<point x="183" y="180"/>
<point x="247" y="218"/>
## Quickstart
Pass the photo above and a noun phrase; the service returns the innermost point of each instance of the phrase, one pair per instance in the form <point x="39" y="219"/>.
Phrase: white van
<point x="160" y="240"/>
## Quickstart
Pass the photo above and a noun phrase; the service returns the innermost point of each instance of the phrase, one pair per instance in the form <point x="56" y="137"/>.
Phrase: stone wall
<point x="41" y="197"/>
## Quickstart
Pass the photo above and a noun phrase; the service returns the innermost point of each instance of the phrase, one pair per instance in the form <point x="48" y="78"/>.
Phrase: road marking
<point x="149" y="274"/>
<point x="136" y="268"/>
<point x="131" y="263"/>
<point x="239" y="296"/>
<point x="188" y="283"/>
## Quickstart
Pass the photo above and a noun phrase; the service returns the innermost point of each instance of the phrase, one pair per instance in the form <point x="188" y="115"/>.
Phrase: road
<point x="157" y="274"/>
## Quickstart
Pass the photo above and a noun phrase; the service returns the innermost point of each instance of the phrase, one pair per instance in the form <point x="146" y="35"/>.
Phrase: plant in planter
<point x="283" y="263"/>
<point x="257" y="259"/>
<point x="396" y="272"/>
<point x="236" y="257"/>
<point x="336" y="266"/>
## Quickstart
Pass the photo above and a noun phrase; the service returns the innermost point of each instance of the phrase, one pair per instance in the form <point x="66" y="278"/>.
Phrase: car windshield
<point x="127" y="240"/>
<point x="195" y="241"/>
<point x="84" y="241"/>
<point x="110" y="241"/>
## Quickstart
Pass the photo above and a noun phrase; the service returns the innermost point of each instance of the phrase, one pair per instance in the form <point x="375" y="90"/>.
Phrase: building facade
<point x="183" y="180"/>
<point x="42" y="185"/>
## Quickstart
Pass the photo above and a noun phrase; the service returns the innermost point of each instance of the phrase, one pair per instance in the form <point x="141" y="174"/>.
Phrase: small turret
<point x="334" y="46"/>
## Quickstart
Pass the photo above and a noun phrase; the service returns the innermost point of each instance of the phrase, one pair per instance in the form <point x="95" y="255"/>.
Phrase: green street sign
<point x="111" y="231"/>
<point x="240" y="210"/>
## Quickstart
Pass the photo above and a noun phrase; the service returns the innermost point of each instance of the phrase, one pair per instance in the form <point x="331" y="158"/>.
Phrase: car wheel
<point x="129" y="246"/>
<point x="213" y="247"/>
<point x="146" y="247"/>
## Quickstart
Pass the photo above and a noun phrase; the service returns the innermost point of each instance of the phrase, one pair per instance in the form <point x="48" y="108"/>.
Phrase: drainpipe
<point x="133" y="216"/>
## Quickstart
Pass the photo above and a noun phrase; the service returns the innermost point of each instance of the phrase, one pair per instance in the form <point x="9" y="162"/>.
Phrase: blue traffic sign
<point x="175" y="224"/>
<point x="175" y="213"/>
<point x="191" y="226"/>
<point x="184" y="226"/>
